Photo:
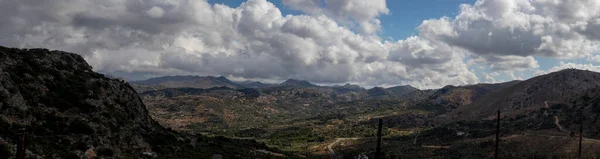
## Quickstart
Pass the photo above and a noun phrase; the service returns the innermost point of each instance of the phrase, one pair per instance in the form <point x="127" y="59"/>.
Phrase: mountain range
<point x="452" y="109"/>
<point x="205" y="82"/>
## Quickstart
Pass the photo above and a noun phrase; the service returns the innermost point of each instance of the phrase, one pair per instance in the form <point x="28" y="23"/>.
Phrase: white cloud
<point x="569" y="65"/>
<point x="155" y="12"/>
<point x="489" y="78"/>
<point x="509" y="62"/>
<point x="494" y="74"/>
<point x="255" y="41"/>
<point x="595" y="58"/>
<point x="360" y="13"/>
<point x="513" y="75"/>
<point x="561" y="29"/>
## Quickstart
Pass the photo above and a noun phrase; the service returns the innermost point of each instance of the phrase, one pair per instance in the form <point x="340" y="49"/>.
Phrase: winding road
<point x="557" y="123"/>
<point x="330" y="150"/>
<point x="556" y="120"/>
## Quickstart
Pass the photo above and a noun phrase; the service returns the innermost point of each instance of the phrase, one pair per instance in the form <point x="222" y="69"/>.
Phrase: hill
<point x="302" y="118"/>
<point x="186" y="82"/>
<point x="297" y="83"/>
<point x="585" y="104"/>
<point x="530" y="95"/>
<point x="452" y="97"/>
<point x="255" y="84"/>
<point x="66" y="108"/>
<point x="541" y="117"/>
<point x="402" y="90"/>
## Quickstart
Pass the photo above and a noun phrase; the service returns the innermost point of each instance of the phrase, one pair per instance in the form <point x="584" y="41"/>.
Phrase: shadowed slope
<point x="66" y="108"/>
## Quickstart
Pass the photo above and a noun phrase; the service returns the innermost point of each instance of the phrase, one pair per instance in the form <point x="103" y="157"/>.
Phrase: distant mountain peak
<point x="189" y="81"/>
<point x="402" y="89"/>
<point x="404" y="86"/>
<point x="348" y="85"/>
<point x="254" y="84"/>
<point x="572" y="71"/>
<point x="377" y="91"/>
<point x="531" y="94"/>
<point x="222" y="78"/>
<point x="298" y="83"/>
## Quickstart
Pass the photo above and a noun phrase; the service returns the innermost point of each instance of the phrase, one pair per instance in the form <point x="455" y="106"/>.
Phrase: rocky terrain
<point x="227" y="107"/>
<point x="529" y="95"/>
<point x="202" y="82"/>
<point x="451" y="122"/>
<point x="67" y="109"/>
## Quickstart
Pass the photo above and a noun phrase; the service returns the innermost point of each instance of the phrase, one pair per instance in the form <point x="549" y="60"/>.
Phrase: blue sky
<point x="406" y="15"/>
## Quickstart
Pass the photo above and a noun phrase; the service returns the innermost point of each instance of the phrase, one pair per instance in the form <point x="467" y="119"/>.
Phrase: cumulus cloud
<point x="595" y="58"/>
<point x="490" y="78"/>
<point x="155" y="12"/>
<point x="520" y="29"/>
<point x="354" y="13"/>
<point x="333" y="42"/>
<point x="253" y="41"/>
<point x="514" y="27"/>
<point x="569" y="65"/>
<point x="507" y="63"/>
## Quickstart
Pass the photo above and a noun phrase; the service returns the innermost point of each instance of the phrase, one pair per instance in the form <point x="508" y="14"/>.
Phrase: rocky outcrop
<point x="66" y="109"/>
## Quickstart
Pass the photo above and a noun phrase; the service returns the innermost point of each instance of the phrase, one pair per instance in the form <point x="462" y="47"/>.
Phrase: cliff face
<point x="66" y="108"/>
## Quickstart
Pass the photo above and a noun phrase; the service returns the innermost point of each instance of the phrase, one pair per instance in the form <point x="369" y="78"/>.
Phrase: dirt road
<point x="331" y="152"/>
<point x="556" y="120"/>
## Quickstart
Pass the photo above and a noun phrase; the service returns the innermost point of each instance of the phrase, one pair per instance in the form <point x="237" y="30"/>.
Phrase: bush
<point x="79" y="127"/>
<point x="5" y="150"/>
<point x="249" y="92"/>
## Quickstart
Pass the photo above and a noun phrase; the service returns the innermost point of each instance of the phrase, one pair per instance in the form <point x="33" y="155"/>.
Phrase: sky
<point x="426" y="44"/>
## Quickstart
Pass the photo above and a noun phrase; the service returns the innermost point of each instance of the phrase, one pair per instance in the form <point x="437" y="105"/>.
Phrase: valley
<point x="314" y="121"/>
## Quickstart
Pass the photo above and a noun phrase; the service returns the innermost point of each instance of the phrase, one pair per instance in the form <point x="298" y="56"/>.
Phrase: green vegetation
<point x="451" y="122"/>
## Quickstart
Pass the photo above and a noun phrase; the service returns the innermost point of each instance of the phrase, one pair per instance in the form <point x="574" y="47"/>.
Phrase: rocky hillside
<point x="452" y="97"/>
<point x="402" y="90"/>
<point x="444" y="123"/>
<point x="184" y="82"/>
<point x="255" y="84"/>
<point x="66" y="109"/>
<point x="297" y="83"/>
<point x="530" y="95"/>
<point x="569" y="112"/>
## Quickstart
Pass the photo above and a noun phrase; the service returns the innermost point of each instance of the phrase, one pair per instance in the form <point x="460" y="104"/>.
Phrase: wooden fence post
<point x="497" y="135"/>
<point x="378" y="149"/>
<point x="580" y="134"/>
<point x="21" y="146"/>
